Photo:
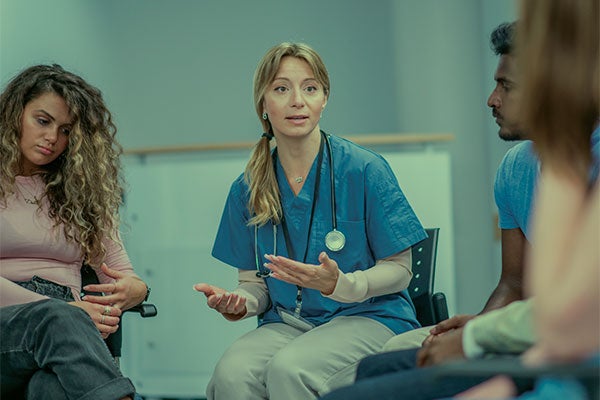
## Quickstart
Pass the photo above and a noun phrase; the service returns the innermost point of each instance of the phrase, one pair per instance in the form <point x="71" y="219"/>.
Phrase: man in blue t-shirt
<point x="514" y="189"/>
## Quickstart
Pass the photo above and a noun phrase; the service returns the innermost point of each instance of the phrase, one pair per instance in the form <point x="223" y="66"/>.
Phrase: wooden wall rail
<point x="363" y="140"/>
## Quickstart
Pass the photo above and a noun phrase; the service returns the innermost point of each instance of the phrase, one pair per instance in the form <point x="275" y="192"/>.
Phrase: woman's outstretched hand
<point x="231" y="305"/>
<point x="322" y="277"/>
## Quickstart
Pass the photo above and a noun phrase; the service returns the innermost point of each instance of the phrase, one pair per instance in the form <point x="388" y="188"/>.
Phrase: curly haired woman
<point x="60" y="192"/>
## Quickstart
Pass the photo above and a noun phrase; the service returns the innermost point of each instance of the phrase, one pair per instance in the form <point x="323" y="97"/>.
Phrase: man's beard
<point x="510" y="135"/>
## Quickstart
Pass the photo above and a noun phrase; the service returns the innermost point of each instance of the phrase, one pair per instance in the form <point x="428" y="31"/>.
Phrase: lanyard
<point x="284" y="227"/>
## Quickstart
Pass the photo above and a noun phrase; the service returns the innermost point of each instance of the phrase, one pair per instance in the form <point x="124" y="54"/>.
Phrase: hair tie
<point x="268" y="135"/>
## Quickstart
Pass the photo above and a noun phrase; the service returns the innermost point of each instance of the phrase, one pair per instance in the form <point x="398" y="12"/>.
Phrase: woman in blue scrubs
<point x="321" y="233"/>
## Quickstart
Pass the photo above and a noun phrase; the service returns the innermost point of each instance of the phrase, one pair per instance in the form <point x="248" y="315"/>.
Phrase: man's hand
<point x="445" y="347"/>
<point x="457" y="321"/>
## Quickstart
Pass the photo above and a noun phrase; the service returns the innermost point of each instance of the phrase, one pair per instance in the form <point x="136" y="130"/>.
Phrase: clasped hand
<point x="322" y="277"/>
<point x="444" y="342"/>
<point x="125" y="292"/>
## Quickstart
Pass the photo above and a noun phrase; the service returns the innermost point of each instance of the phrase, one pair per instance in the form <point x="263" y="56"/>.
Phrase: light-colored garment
<point x="279" y="362"/>
<point x="507" y="330"/>
<point x="387" y="276"/>
<point x="30" y="245"/>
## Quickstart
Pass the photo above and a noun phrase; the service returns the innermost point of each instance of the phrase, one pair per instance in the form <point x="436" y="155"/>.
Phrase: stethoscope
<point x="334" y="239"/>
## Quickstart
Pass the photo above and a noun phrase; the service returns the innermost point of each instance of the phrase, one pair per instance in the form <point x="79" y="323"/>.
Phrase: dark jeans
<point x="47" y="288"/>
<point x="385" y="363"/>
<point x="394" y="376"/>
<point x="52" y="350"/>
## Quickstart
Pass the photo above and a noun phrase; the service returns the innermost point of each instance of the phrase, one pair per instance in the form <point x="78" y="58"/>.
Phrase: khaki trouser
<point x="407" y="340"/>
<point x="279" y="362"/>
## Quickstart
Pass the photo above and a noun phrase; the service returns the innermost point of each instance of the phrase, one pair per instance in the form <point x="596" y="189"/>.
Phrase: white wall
<point x="444" y="69"/>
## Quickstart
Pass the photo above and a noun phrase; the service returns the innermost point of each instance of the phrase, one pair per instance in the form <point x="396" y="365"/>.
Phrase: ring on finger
<point x="107" y="310"/>
<point x="102" y="319"/>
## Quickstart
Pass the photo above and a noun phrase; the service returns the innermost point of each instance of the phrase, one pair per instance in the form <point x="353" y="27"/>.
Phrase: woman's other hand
<point x="231" y="305"/>
<point x="125" y="292"/>
<point x="322" y="277"/>
<point x="105" y="317"/>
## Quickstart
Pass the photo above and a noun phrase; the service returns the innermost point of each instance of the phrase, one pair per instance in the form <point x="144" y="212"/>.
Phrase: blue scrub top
<point x="372" y="213"/>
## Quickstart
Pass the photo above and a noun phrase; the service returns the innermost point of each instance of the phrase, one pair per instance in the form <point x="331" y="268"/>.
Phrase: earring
<point x="265" y="116"/>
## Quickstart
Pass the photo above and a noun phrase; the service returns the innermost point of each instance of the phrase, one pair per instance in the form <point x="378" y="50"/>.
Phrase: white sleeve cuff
<point x="350" y="288"/>
<point x="470" y="346"/>
<point x="254" y="290"/>
<point x="389" y="275"/>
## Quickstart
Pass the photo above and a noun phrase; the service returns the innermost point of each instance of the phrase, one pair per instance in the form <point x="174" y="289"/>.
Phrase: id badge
<point x="296" y="321"/>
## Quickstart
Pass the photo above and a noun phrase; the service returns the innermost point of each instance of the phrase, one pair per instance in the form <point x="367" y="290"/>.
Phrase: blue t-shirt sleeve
<point x="234" y="243"/>
<point x="506" y="217"/>
<point x="392" y="225"/>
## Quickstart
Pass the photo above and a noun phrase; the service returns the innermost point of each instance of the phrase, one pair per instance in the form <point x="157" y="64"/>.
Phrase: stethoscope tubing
<point x="332" y="182"/>
<point x="262" y="274"/>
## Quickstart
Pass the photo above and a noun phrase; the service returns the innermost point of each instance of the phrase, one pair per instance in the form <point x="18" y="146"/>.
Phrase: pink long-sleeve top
<point x="29" y="245"/>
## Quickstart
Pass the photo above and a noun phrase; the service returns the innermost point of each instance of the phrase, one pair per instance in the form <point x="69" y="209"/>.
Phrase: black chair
<point x="431" y="307"/>
<point x="115" y="341"/>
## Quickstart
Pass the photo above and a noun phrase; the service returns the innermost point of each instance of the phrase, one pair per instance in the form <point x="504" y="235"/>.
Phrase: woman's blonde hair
<point x="264" y="204"/>
<point x="83" y="186"/>
<point x="558" y="47"/>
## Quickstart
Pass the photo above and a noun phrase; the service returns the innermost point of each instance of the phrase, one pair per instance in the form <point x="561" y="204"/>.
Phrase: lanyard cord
<point x="332" y="182"/>
<point x="284" y="227"/>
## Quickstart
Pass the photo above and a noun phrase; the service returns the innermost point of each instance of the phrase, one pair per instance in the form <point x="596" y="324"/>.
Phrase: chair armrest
<point x="440" y="307"/>
<point x="146" y="310"/>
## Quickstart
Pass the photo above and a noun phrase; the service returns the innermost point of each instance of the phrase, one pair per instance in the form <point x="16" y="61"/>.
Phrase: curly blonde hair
<point x="84" y="186"/>
<point x="264" y="202"/>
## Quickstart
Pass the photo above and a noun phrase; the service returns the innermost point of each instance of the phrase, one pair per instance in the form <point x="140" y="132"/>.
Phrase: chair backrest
<point x="431" y="307"/>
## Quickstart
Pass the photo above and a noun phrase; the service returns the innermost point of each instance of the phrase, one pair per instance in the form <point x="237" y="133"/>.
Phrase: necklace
<point x="28" y="200"/>
<point x="298" y="179"/>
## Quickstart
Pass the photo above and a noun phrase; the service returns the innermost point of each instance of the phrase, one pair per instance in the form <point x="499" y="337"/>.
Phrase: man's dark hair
<point x="501" y="39"/>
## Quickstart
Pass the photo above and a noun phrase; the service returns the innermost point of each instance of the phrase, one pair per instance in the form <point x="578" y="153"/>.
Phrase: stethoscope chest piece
<point x="335" y="240"/>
